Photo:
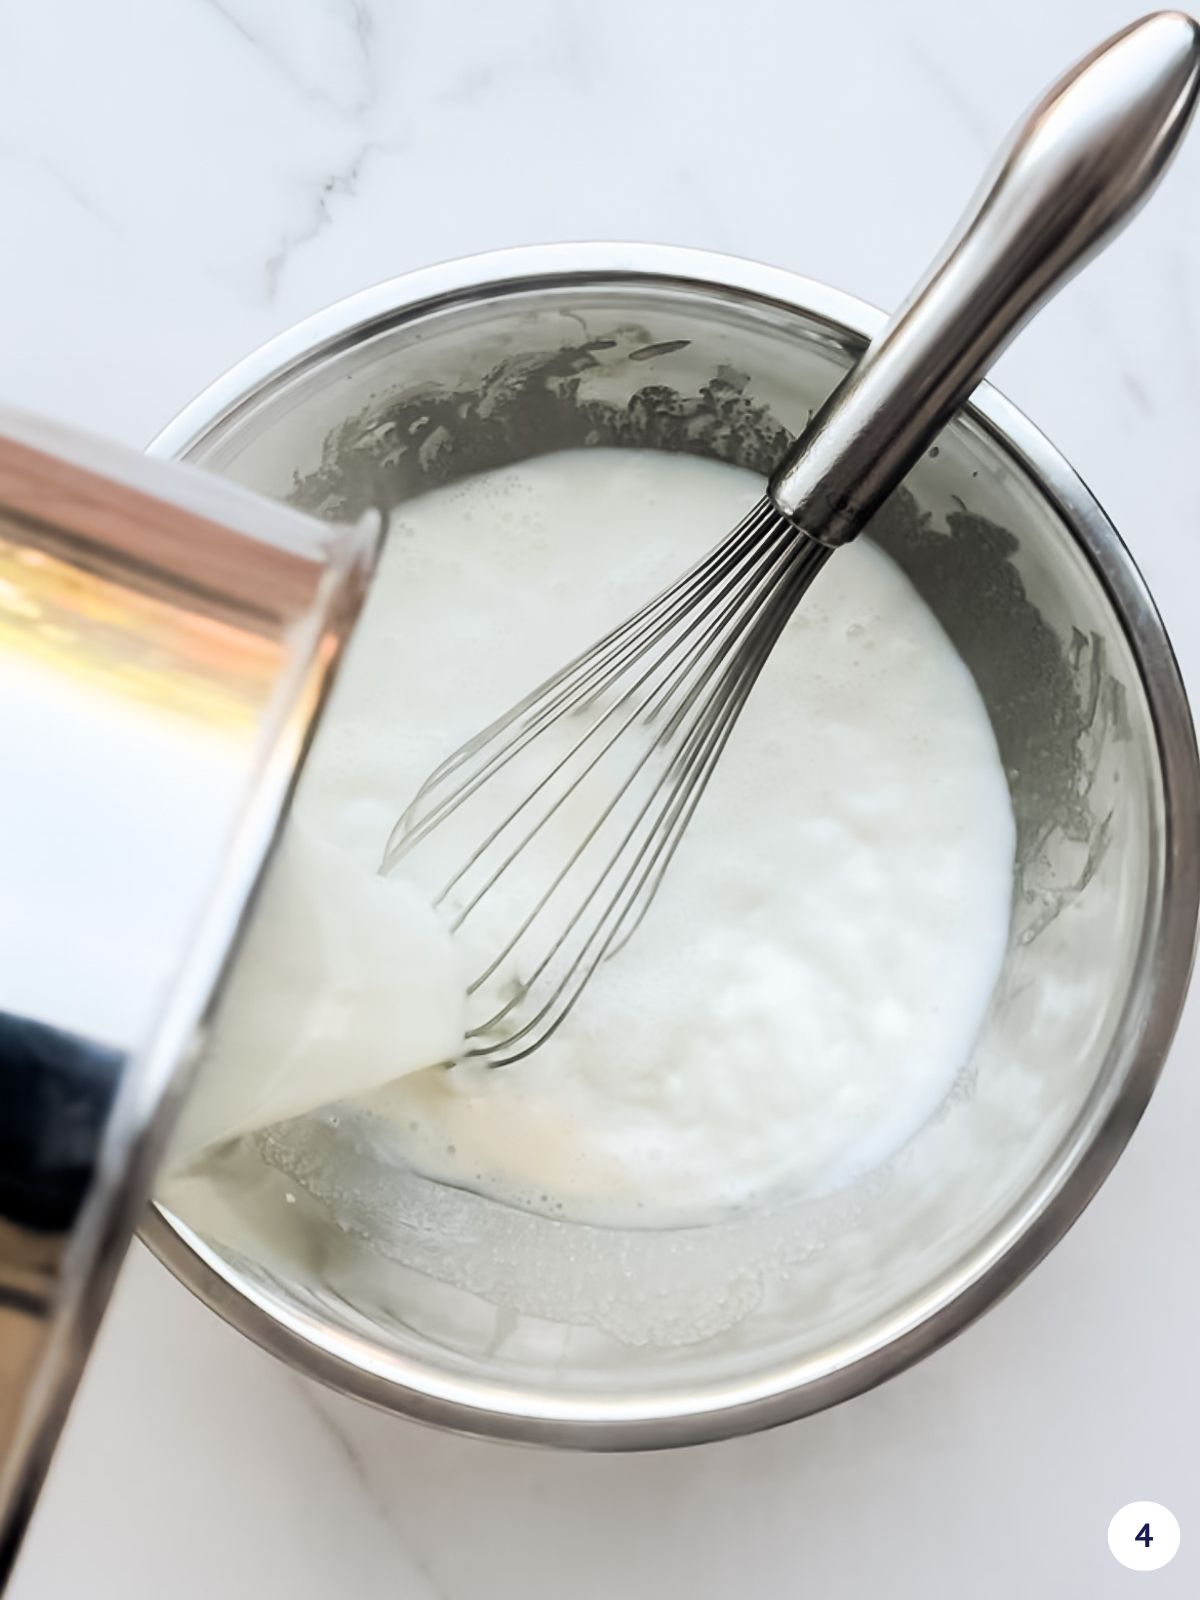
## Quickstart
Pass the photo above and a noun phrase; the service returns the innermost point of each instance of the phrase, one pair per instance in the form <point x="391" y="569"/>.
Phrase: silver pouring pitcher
<point x="166" y="643"/>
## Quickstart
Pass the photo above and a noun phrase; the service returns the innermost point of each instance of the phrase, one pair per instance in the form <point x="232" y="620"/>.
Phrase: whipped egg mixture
<point x="813" y="972"/>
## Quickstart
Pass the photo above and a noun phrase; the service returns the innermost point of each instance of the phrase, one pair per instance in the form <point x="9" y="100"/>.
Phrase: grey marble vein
<point x="63" y="181"/>
<point x="1137" y="392"/>
<point x="362" y="27"/>
<point x="953" y="96"/>
<point x="343" y="180"/>
<point x="348" y="1450"/>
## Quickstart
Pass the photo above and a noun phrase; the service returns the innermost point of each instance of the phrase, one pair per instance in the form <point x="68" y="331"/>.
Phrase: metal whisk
<point x="555" y="826"/>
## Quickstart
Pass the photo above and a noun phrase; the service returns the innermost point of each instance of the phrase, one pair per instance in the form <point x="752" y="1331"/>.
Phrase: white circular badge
<point x="1143" y="1536"/>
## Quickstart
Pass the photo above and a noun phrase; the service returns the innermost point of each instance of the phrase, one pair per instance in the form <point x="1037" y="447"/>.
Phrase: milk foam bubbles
<point x="810" y="978"/>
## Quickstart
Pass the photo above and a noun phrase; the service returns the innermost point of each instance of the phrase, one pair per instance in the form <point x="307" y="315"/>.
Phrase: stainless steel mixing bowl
<point x="457" y="1310"/>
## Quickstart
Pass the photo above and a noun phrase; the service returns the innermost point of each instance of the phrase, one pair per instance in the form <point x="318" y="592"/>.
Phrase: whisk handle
<point x="1070" y="176"/>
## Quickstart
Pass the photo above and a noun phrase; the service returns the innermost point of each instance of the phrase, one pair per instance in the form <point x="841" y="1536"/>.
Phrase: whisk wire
<point x="681" y="800"/>
<point x="682" y="668"/>
<point x="599" y="659"/>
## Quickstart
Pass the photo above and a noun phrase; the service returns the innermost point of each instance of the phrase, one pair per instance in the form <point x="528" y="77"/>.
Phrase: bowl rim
<point x="995" y="1264"/>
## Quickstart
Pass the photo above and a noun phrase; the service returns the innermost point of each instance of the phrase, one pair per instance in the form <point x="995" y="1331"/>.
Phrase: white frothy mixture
<point x="812" y="975"/>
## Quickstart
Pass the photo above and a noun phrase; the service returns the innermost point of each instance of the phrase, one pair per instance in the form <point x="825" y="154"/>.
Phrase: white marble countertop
<point x="181" y="179"/>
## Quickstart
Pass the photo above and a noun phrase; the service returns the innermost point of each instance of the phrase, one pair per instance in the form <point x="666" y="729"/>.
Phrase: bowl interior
<point x="450" y="1305"/>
